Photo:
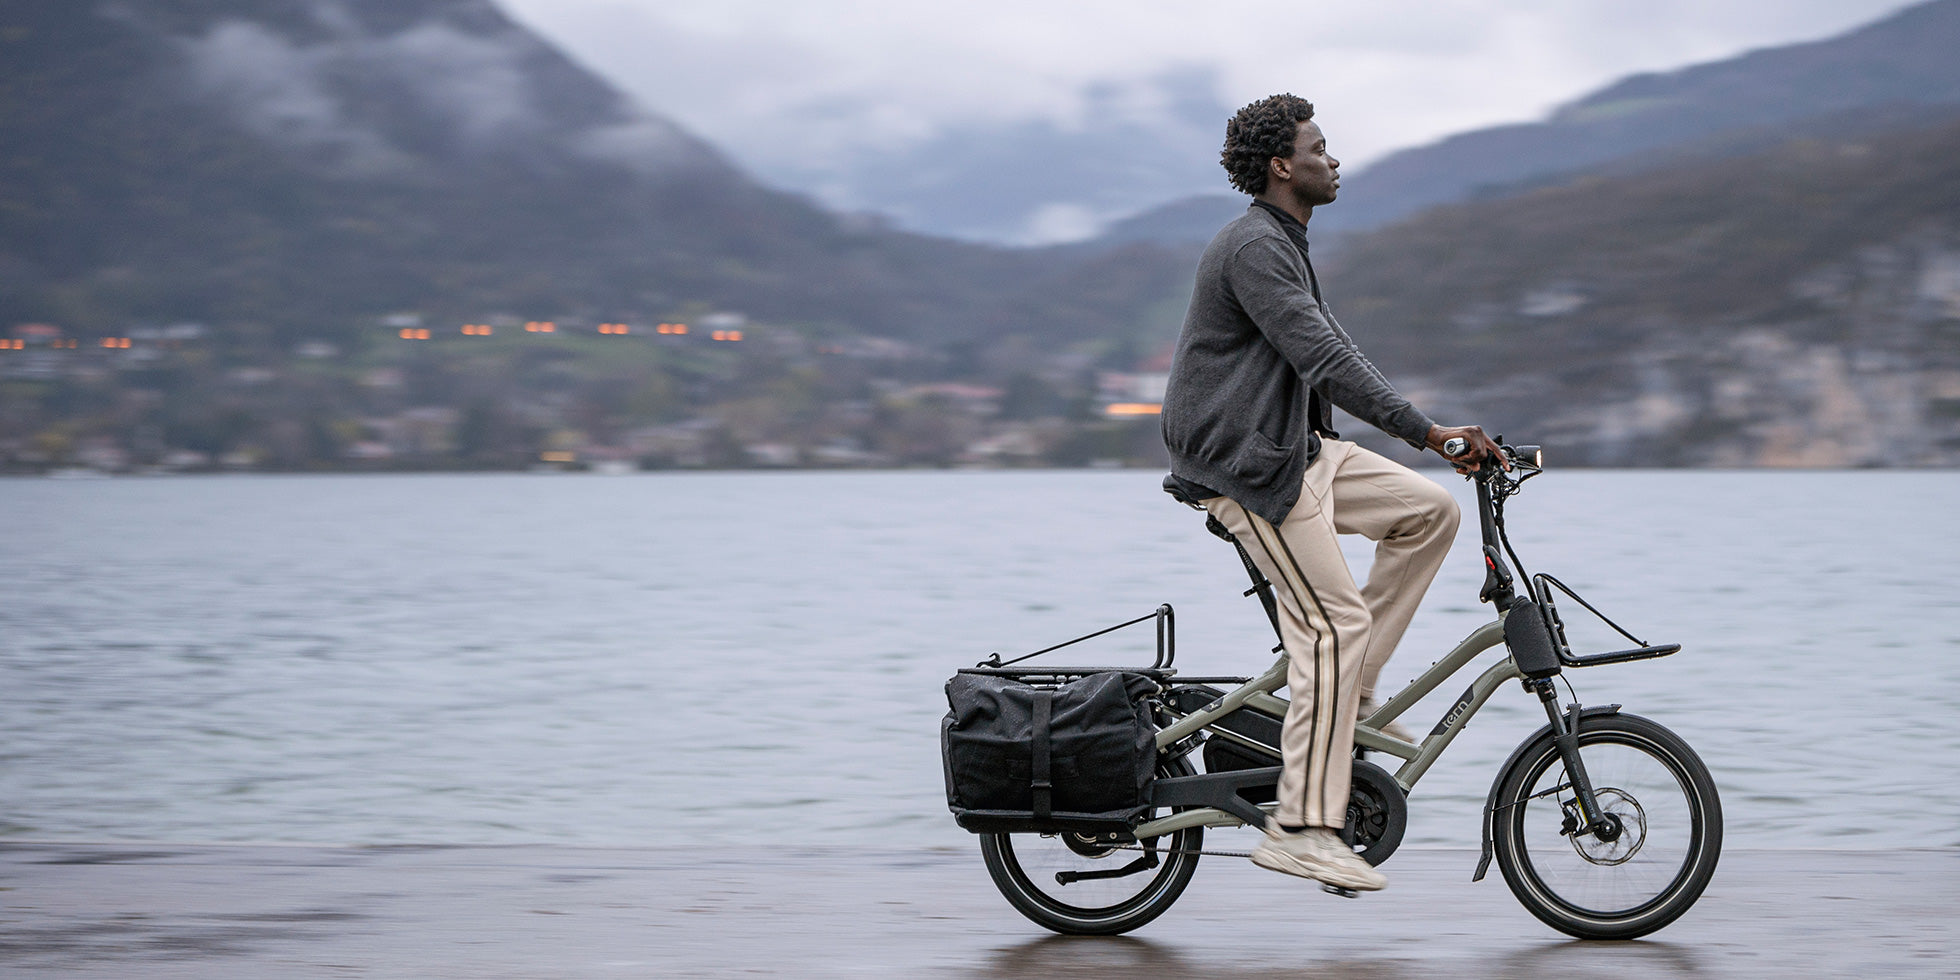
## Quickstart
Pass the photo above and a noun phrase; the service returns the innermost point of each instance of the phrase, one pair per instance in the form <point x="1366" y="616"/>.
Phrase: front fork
<point x="1583" y="814"/>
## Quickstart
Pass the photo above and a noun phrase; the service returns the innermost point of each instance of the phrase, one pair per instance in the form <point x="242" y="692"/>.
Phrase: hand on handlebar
<point x="1472" y="449"/>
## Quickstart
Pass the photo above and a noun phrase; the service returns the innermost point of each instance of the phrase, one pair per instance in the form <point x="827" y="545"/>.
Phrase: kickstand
<point x="1338" y="890"/>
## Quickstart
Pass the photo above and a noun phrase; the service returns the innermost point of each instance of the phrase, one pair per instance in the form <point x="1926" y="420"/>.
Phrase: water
<point x="710" y="658"/>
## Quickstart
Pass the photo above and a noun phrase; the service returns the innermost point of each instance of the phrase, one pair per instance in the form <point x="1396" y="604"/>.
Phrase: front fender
<point x="1490" y="802"/>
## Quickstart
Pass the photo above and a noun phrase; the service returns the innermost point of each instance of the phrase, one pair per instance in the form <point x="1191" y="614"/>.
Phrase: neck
<point x="1301" y="211"/>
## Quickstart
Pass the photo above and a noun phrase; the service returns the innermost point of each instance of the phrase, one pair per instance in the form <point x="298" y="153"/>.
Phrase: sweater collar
<point x="1288" y="223"/>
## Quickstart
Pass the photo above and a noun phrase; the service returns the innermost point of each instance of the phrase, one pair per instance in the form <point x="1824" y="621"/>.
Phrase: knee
<point x="1443" y="513"/>
<point x="1434" y="514"/>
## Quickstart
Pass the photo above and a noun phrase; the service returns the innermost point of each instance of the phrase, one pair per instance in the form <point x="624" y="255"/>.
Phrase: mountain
<point x="258" y="193"/>
<point x="285" y="169"/>
<point x="1904" y="60"/>
<point x="1191" y="220"/>
<point x="1040" y="181"/>
<point x="1795" y="306"/>
<point x="1901" y="65"/>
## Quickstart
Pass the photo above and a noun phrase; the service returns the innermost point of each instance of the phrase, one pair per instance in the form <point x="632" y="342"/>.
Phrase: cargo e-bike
<point x="1604" y="824"/>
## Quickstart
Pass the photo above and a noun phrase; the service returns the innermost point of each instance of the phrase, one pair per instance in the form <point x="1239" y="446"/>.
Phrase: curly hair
<point x="1259" y="132"/>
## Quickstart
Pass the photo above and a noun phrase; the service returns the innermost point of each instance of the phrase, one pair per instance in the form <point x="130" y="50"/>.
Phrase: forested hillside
<point x="286" y="170"/>
<point x="331" y="234"/>
<point x="1798" y="306"/>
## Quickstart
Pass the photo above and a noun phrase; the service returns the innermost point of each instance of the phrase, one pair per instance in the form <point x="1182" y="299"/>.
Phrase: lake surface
<point x="709" y="658"/>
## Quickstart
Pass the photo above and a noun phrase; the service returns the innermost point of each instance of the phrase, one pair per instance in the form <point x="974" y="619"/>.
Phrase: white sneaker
<point x="1316" y="853"/>
<point x="1393" y="729"/>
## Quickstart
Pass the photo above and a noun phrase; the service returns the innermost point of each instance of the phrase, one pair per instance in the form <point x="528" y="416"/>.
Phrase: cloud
<point x="273" y="88"/>
<point x="485" y="83"/>
<point x="479" y="83"/>
<point x="802" y="94"/>
<point x="643" y="143"/>
<point x="1037" y="180"/>
<point x="1058" y="223"/>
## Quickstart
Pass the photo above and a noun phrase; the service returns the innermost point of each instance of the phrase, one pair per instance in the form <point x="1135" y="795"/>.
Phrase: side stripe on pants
<point x="1326" y="669"/>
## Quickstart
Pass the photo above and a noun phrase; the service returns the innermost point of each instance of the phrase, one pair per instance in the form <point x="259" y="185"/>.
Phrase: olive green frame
<point x="1257" y="694"/>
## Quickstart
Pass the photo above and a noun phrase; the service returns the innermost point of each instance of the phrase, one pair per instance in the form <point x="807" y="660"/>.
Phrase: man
<point x="1248" y="420"/>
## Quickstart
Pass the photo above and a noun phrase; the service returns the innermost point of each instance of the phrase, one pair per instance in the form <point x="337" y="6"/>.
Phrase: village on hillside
<point x="407" y="393"/>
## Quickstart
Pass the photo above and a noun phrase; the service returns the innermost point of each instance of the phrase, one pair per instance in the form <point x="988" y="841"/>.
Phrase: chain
<point x="1169" y="850"/>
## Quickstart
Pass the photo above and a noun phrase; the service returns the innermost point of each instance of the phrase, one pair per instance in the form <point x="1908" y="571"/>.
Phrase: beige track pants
<point x="1338" y="636"/>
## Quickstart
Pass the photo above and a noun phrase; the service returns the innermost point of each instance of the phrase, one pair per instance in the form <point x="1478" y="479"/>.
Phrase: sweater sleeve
<point x="1269" y="281"/>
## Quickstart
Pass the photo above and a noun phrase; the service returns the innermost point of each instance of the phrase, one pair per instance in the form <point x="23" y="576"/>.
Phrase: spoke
<point x="1620" y="875"/>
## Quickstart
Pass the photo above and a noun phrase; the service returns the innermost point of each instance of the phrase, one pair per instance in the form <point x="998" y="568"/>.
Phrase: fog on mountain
<point x="273" y="234"/>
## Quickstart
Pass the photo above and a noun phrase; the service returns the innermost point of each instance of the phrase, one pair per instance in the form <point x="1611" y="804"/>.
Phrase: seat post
<point x="1260" y="585"/>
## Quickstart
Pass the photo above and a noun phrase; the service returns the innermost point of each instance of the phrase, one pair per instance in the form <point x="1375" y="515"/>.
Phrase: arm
<point x="1268" y="283"/>
<point x="1267" y="279"/>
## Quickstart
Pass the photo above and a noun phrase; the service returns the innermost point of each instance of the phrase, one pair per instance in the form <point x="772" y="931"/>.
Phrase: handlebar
<point x="1529" y="457"/>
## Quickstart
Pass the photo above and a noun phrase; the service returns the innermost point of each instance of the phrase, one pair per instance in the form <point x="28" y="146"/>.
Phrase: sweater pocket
<point x="1259" y="461"/>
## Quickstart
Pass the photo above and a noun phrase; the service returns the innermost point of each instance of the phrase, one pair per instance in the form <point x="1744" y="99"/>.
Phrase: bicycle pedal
<point x="1338" y="890"/>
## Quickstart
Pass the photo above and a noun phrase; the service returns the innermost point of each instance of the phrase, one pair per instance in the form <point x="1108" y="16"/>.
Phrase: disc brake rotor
<point x="1622" y="807"/>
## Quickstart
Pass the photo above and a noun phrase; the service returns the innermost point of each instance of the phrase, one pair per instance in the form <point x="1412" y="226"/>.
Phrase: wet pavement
<point x="129" y="910"/>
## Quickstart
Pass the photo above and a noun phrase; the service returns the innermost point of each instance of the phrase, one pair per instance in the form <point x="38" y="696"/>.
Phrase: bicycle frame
<point x="1236" y="725"/>
<point x="1212" y="798"/>
<point x="1258" y="692"/>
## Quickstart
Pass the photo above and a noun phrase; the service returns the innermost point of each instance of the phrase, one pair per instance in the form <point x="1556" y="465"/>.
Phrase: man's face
<point x="1314" y="175"/>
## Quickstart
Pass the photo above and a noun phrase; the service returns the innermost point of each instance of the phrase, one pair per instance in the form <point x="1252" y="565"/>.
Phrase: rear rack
<point x="1065" y="673"/>
<point x="1159" y="669"/>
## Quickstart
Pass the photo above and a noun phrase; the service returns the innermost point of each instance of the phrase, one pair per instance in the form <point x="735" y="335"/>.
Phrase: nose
<point x="1333" y="164"/>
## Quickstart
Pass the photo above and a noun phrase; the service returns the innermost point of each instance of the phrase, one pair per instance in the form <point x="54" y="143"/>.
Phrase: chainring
<point x="1377" y="813"/>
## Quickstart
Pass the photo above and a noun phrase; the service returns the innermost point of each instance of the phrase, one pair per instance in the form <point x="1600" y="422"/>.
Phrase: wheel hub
<point x="1624" y="834"/>
<point x="1093" y="845"/>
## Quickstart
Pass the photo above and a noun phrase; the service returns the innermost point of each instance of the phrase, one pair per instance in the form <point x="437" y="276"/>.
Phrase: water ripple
<point x="701" y="658"/>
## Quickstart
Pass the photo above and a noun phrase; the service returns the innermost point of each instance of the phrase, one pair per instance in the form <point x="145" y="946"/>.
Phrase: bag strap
<point x="1043" y="800"/>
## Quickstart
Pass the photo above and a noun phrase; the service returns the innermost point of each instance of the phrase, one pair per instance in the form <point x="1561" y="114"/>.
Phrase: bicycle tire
<point x="1655" y="870"/>
<point x="1112" y="906"/>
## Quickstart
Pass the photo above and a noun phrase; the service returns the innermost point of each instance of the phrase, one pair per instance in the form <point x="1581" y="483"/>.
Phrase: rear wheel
<point x="1030" y="869"/>
<point x="1659" y="852"/>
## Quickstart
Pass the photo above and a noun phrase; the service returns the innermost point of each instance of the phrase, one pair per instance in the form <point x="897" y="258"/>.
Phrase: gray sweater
<point x="1257" y="344"/>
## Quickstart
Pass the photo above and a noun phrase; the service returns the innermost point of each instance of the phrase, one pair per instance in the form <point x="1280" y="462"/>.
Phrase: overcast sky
<point x="800" y="92"/>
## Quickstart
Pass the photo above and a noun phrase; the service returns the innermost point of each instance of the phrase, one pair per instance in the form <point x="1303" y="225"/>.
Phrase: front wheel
<point x="1665" y="836"/>
<point x="1026" y="868"/>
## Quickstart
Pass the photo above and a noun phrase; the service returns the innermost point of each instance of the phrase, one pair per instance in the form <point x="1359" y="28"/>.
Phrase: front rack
<point x="1641" y="651"/>
<point x="1494" y="487"/>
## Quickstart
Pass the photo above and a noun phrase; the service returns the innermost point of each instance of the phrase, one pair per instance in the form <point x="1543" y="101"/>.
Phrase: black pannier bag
<point x="1026" y="758"/>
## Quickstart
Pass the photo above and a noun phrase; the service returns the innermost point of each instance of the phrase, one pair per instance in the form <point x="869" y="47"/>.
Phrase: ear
<point x="1279" y="168"/>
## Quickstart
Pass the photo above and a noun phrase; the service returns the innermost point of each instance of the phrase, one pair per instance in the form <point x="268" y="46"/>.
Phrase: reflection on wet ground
<point x="535" y="911"/>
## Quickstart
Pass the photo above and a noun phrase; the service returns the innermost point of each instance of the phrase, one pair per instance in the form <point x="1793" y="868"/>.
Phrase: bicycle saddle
<point x="1177" y="493"/>
<point x="1176" y="490"/>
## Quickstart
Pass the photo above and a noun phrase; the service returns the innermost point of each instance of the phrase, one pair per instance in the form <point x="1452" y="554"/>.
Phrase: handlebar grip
<point x="1455" y="447"/>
